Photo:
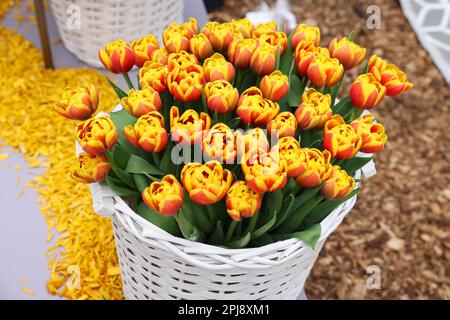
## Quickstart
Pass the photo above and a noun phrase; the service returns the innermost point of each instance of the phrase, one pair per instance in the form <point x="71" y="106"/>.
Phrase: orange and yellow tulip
<point x="192" y="26"/>
<point x="90" y="168"/>
<point x="176" y="38"/>
<point x="240" y="52"/>
<point x="153" y="74"/>
<point x="347" y="52"/>
<point x="372" y="134"/>
<point x="306" y="54"/>
<point x="97" y="135"/>
<point x="148" y="132"/>
<point x="338" y="185"/>
<point x="221" y="35"/>
<point x="390" y="76"/>
<point x="200" y="46"/>
<point x="366" y="92"/>
<point x="275" y="86"/>
<point x="253" y="141"/>
<point x="219" y="144"/>
<point x="186" y="83"/>
<point x="263" y="28"/>
<point x="284" y="124"/>
<point x="264" y="172"/>
<point x="180" y="59"/>
<point x="144" y="48"/>
<point x="78" y="104"/>
<point x="254" y="109"/>
<point x="160" y="56"/>
<point x="165" y="197"/>
<point x="341" y="139"/>
<point x="117" y="57"/>
<point x="138" y="103"/>
<point x="305" y="33"/>
<point x="241" y="201"/>
<point x="189" y="127"/>
<point x="314" y="110"/>
<point x="220" y="96"/>
<point x="315" y="167"/>
<point x="273" y="39"/>
<point x="263" y="60"/>
<point x="217" y="67"/>
<point x="206" y="183"/>
<point x="244" y="26"/>
<point x="289" y="150"/>
<point x="325" y="71"/>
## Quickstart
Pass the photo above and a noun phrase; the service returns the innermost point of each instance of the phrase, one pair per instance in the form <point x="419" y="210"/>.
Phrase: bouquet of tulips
<point x="233" y="135"/>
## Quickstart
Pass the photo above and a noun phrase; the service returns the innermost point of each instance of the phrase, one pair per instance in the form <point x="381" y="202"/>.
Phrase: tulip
<point x="338" y="185"/>
<point x="377" y="63"/>
<point x="284" y="124"/>
<point x="208" y="27"/>
<point x="263" y="28"/>
<point x="186" y="83"/>
<point x="263" y="60"/>
<point x="144" y="48"/>
<point x="389" y="76"/>
<point x="96" y="135"/>
<point x="264" y="172"/>
<point x="315" y="167"/>
<point x="220" y="96"/>
<point x="240" y="52"/>
<point x="273" y="39"/>
<point x="347" y="52"/>
<point x="219" y="144"/>
<point x="253" y="141"/>
<point x="200" y="46"/>
<point x="242" y="202"/>
<point x="153" y="74"/>
<point x="165" y="197"/>
<point x="217" y="67"/>
<point x="148" y="132"/>
<point x="191" y="26"/>
<point x="78" y="104"/>
<point x="366" y="92"/>
<point x="206" y="183"/>
<point x="221" y="35"/>
<point x="289" y="150"/>
<point x="305" y="33"/>
<point x="176" y="38"/>
<point x="141" y="102"/>
<point x="325" y="71"/>
<point x="189" y="127"/>
<point x="160" y="56"/>
<point x="314" y="110"/>
<point x="180" y="59"/>
<point x="244" y="26"/>
<point x="306" y="55"/>
<point x="341" y="139"/>
<point x="117" y="57"/>
<point x="275" y="86"/>
<point x="372" y="134"/>
<point x="91" y="168"/>
<point x="254" y="109"/>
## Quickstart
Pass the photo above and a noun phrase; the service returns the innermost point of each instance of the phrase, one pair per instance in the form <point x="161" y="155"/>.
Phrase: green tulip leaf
<point x="309" y="236"/>
<point x="241" y="242"/>
<point x="168" y="224"/>
<point x="140" y="166"/>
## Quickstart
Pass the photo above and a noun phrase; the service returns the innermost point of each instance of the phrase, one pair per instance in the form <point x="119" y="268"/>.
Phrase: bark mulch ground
<point x="402" y="218"/>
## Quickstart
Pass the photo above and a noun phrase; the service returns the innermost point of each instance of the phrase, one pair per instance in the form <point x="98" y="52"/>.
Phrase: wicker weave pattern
<point x="103" y="21"/>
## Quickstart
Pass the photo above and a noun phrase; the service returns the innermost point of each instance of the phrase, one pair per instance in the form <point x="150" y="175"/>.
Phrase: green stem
<point x="156" y="159"/>
<point x="211" y="215"/>
<point x="230" y="231"/>
<point x="128" y="80"/>
<point x="252" y="224"/>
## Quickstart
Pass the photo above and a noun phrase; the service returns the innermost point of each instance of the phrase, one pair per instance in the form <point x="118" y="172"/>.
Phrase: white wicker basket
<point x="102" y="21"/>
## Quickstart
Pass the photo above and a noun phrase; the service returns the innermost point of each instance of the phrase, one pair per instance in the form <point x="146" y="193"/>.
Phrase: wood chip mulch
<point x="401" y="222"/>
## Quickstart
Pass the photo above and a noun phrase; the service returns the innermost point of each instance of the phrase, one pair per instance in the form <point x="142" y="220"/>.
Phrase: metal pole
<point x="43" y="33"/>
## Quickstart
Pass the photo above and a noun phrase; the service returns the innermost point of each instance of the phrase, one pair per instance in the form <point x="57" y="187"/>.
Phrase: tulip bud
<point x="366" y="92"/>
<point x="208" y="27"/>
<point x="341" y="139"/>
<point x="91" y="168"/>
<point x="144" y="48"/>
<point x="165" y="197"/>
<point x="315" y="167"/>
<point x="325" y="71"/>
<point x="284" y="124"/>
<point x="254" y="109"/>
<point x="200" y="46"/>
<point x="305" y="33"/>
<point x="389" y="75"/>
<point x="221" y="35"/>
<point x="338" y="185"/>
<point x="264" y="172"/>
<point x="189" y="127"/>
<point x="347" y="52"/>
<point x="305" y="55"/>
<point x="372" y="134"/>
<point x="219" y="144"/>
<point x="160" y="56"/>
<point x="221" y="96"/>
<point x="141" y="102"/>
<point x="78" y="104"/>
<point x="275" y="86"/>
<point x="273" y="39"/>
<point x="191" y="26"/>
<point x="263" y="60"/>
<point x="96" y="135"/>
<point x="253" y="141"/>
<point x="148" y="133"/>
<point x="180" y="59"/>
<point x="240" y="52"/>
<point x="117" y="57"/>
<point x="377" y="63"/>
<point x="176" y="38"/>
<point x="314" y="110"/>
<point x="217" y="67"/>
<point x="153" y="74"/>
<point x="289" y="150"/>
<point x="263" y="28"/>
<point x="242" y="202"/>
<point x="186" y="83"/>
<point x="244" y="26"/>
<point x="206" y="183"/>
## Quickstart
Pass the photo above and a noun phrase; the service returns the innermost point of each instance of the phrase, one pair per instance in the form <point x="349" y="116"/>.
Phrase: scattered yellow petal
<point x="23" y="280"/>
<point x="4" y="156"/>
<point x="27" y="291"/>
<point x="113" y="271"/>
<point x="49" y="237"/>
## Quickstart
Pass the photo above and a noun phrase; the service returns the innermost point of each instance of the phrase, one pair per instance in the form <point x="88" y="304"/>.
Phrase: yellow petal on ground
<point x="27" y="291"/>
<point x="4" y="156"/>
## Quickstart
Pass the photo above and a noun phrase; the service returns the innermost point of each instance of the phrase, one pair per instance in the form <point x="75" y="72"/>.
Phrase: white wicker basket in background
<point x="103" y="21"/>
